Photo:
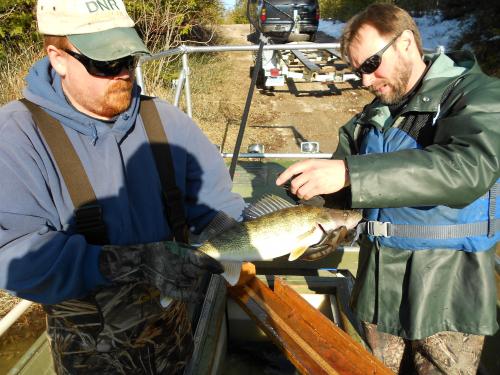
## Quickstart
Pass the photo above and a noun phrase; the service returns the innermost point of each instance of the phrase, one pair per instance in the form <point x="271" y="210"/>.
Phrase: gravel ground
<point x="280" y="119"/>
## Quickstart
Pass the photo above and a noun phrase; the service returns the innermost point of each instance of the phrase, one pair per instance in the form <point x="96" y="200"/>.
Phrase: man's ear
<point x="407" y="39"/>
<point x="58" y="59"/>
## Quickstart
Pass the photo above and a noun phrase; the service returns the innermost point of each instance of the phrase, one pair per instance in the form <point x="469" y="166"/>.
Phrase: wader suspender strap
<point x="88" y="212"/>
<point x="173" y="200"/>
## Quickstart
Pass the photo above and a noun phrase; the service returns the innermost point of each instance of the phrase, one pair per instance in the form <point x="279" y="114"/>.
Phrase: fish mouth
<point x="325" y="233"/>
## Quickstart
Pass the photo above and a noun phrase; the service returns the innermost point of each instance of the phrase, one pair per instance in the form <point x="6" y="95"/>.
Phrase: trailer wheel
<point x="312" y="37"/>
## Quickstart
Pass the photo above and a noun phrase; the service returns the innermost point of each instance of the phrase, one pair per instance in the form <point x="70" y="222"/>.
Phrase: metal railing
<point x="183" y="80"/>
<point x="8" y="320"/>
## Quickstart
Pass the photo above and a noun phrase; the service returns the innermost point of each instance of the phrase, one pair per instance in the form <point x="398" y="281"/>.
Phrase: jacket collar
<point x="444" y="70"/>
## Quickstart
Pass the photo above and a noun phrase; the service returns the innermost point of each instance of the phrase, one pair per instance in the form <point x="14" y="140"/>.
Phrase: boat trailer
<point x="302" y="62"/>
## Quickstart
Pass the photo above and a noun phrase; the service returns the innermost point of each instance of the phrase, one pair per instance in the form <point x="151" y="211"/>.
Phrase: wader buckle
<point x="378" y="228"/>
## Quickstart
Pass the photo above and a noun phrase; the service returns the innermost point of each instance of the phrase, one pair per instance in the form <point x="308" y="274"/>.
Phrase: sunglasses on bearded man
<point x="373" y="62"/>
<point x="104" y="68"/>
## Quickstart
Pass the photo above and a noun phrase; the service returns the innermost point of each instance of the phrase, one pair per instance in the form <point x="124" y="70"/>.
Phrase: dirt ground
<point x="282" y="118"/>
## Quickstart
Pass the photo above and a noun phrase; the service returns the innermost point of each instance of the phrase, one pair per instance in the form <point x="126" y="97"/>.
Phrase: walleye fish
<point x="289" y="230"/>
<point x="273" y="227"/>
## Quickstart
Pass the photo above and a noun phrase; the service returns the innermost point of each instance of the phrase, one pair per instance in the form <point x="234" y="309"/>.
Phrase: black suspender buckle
<point x="90" y="223"/>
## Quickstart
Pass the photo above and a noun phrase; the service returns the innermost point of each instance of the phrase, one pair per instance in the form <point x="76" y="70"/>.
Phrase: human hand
<point x="171" y="267"/>
<point x="315" y="176"/>
<point x="174" y="268"/>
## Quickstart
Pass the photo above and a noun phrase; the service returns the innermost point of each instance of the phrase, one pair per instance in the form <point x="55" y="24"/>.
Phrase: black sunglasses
<point x="104" y="68"/>
<point x="373" y="62"/>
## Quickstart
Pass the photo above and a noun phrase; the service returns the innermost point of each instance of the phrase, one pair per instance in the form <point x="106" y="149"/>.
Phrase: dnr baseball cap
<point x="100" y="29"/>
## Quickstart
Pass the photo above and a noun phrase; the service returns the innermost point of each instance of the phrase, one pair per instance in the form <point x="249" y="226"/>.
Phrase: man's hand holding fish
<point x="314" y="177"/>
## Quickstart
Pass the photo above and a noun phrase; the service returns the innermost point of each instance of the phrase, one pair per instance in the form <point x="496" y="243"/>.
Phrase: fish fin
<point x="303" y="238"/>
<point x="267" y="204"/>
<point x="231" y="272"/>
<point x="296" y="253"/>
<point x="327" y="245"/>
<point x="220" y="223"/>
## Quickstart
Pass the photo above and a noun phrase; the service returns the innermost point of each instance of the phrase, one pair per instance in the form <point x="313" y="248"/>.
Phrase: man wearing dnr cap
<point x="100" y="188"/>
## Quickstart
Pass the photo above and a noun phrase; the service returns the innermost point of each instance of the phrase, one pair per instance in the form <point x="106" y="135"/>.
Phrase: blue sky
<point x="228" y="3"/>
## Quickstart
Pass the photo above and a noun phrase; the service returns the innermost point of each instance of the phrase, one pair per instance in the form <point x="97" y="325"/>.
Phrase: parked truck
<point x="286" y="20"/>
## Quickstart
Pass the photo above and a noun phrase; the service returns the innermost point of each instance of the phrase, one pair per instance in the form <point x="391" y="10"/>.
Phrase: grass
<point x="14" y="69"/>
<point x="206" y="73"/>
<point x="216" y="97"/>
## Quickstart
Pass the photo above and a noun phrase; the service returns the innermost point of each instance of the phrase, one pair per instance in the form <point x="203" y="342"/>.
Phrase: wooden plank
<point x="363" y="361"/>
<point x="311" y="341"/>
<point x="254" y="298"/>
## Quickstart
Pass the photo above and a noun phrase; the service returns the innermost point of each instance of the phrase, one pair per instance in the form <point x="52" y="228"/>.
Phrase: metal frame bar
<point x="255" y="155"/>
<point x="304" y="60"/>
<point x="8" y="320"/>
<point x="183" y="81"/>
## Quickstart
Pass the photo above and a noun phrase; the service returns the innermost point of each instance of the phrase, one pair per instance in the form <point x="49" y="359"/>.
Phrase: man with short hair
<point x="100" y="186"/>
<point x="423" y="161"/>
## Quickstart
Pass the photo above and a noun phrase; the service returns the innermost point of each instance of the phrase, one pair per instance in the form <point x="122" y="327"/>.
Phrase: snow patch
<point x="434" y="30"/>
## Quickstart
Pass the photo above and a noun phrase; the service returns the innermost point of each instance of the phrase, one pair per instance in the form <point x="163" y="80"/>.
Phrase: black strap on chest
<point x="88" y="212"/>
<point x="173" y="200"/>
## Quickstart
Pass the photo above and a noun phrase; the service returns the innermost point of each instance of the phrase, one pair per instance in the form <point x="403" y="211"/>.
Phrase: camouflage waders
<point x="442" y="353"/>
<point x="121" y="329"/>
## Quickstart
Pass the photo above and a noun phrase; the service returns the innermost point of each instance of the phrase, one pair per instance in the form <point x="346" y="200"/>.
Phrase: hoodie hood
<point x="45" y="89"/>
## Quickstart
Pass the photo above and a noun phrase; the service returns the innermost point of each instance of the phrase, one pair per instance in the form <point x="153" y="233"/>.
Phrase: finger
<point x="292" y="170"/>
<point x="186" y="280"/>
<point x="307" y="190"/>
<point x="193" y="271"/>
<point x="298" y="182"/>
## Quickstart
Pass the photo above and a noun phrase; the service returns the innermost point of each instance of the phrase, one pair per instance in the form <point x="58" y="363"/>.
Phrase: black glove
<point x="171" y="267"/>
